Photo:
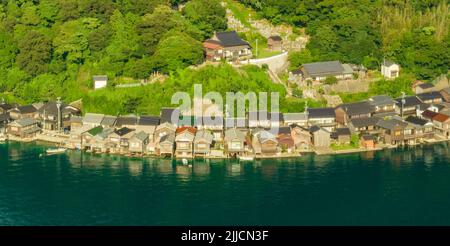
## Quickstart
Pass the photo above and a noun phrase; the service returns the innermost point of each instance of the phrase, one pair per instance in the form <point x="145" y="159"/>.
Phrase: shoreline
<point x="290" y="156"/>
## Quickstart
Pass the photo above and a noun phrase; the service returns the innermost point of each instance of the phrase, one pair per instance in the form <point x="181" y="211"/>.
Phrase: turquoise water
<point x="392" y="187"/>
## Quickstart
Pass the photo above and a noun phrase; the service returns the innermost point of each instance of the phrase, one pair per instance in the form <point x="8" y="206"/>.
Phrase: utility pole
<point x="59" y="121"/>
<point x="256" y="48"/>
<point x="403" y="102"/>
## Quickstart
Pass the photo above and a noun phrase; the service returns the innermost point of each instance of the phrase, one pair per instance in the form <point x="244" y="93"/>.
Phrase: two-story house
<point x="184" y="141"/>
<point x="234" y="142"/>
<point x="227" y="46"/>
<point x="349" y="111"/>
<point x="323" y="117"/>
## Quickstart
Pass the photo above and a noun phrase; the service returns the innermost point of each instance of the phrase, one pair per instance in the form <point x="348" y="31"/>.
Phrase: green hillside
<point x="414" y="33"/>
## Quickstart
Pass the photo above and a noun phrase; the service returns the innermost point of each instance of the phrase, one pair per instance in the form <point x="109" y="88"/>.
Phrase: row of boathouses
<point x="378" y="121"/>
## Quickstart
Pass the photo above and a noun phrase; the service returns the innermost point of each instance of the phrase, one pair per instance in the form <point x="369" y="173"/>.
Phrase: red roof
<point x="211" y="44"/>
<point x="186" y="128"/>
<point x="440" y="117"/>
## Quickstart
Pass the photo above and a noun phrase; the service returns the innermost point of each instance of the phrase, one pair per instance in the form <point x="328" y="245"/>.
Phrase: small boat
<point x="246" y="158"/>
<point x="184" y="161"/>
<point x="55" y="151"/>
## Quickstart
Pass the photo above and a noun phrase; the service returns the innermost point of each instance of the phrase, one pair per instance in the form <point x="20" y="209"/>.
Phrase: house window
<point x="235" y="145"/>
<point x="201" y="145"/>
<point x="397" y="133"/>
<point x="183" y="145"/>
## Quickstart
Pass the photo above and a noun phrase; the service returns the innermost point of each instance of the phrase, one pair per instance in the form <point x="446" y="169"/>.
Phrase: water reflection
<point x="395" y="186"/>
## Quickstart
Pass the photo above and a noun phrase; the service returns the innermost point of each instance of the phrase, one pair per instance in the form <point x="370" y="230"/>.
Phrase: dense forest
<point x="52" y="48"/>
<point x="414" y="33"/>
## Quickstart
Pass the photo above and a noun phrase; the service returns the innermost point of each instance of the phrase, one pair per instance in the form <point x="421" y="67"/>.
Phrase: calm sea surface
<point x="408" y="186"/>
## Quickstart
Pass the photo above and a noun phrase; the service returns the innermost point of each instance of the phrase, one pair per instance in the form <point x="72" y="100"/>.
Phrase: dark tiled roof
<point x="321" y="113"/>
<point x="385" y="114"/>
<point x="343" y="131"/>
<point x="364" y="122"/>
<point x="149" y="120"/>
<point x="166" y="115"/>
<point x="416" y="120"/>
<point x="391" y="123"/>
<point x="388" y="63"/>
<point x="429" y="96"/>
<point x="4" y="117"/>
<point x="51" y="108"/>
<point x="429" y="114"/>
<point x="409" y="101"/>
<point x="323" y="68"/>
<point x="284" y="130"/>
<point x="314" y="128"/>
<point x="123" y="131"/>
<point x="126" y="120"/>
<point x="26" y="122"/>
<point x="424" y="106"/>
<point x="6" y="106"/>
<point x="358" y="108"/>
<point x="382" y="100"/>
<point x="109" y="120"/>
<point x="228" y="39"/>
<point x="426" y="85"/>
<point x="26" y="109"/>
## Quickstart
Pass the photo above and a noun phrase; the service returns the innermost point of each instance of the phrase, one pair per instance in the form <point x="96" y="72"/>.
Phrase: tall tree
<point x="35" y="52"/>
<point x="168" y="56"/>
<point x="207" y="15"/>
<point x="71" y="43"/>
<point x="152" y="27"/>
<point x="124" y="40"/>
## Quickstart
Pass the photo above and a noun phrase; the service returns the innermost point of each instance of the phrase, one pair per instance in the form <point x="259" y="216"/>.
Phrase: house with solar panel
<point x="227" y="46"/>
